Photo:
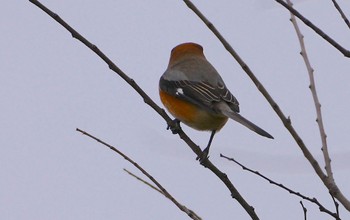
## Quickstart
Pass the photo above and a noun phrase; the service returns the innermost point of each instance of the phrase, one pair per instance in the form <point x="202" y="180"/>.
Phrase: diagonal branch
<point x="144" y="181"/>
<point x="183" y="208"/>
<point x="307" y="22"/>
<point x="116" y="69"/>
<point x="312" y="200"/>
<point x="346" y="20"/>
<point x="195" y="148"/>
<point x="286" y="121"/>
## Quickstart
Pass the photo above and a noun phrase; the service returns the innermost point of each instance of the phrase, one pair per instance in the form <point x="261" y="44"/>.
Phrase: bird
<point x="192" y="90"/>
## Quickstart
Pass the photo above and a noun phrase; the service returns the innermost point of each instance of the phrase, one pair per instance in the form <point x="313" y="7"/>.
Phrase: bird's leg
<point x="205" y="153"/>
<point x="175" y="126"/>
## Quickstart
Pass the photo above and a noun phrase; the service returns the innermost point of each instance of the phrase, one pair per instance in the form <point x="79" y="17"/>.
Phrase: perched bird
<point x="195" y="94"/>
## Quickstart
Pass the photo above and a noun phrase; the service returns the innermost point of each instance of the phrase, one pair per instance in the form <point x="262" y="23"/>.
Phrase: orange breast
<point x="191" y="115"/>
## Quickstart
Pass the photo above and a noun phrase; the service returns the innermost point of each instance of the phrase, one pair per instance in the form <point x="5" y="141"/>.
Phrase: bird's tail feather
<point x="225" y="109"/>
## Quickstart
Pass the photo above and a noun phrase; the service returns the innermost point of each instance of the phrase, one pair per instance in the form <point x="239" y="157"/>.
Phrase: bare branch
<point x="304" y="210"/>
<point x="334" y="189"/>
<point x="143" y="181"/>
<point x="317" y="103"/>
<point x="313" y="200"/>
<point x="336" y="204"/>
<point x="116" y="69"/>
<point x="286" y="121"/>
<point x="346" y="20"/>
<point x="195" y="148"/>
<point x="335" y="44"/>
<point x="189" y="212"/>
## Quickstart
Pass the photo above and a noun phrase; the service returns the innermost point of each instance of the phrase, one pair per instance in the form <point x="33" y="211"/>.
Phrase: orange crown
<point x="184" y="50"/>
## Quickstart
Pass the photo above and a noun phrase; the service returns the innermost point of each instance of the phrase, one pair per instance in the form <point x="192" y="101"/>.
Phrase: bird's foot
<point x="204" y="156"/>
<point x="174" y="126"/>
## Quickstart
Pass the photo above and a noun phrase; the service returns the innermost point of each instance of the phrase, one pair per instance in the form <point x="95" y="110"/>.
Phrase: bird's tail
<point x="225" y="109"/>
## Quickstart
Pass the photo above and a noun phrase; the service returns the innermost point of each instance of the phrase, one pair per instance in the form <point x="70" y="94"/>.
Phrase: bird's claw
<point x="204" y="156"/>
<point x="175" y="126"/>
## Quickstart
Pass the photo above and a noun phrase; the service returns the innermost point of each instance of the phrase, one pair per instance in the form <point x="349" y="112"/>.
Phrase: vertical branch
<point x="312" y="87"/>
<point x="302" y="205"/>
<point x="329" y="181"/>
<point x="336" y="204"/>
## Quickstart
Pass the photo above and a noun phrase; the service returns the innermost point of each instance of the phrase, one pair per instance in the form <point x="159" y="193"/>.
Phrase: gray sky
<point x="51" y="84"/>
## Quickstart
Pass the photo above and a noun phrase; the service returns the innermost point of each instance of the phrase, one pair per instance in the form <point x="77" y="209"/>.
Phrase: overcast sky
<point x="51" y="84"/>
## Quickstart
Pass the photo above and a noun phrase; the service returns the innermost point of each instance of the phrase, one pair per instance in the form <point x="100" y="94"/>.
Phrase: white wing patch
<point x="179" y="91"/>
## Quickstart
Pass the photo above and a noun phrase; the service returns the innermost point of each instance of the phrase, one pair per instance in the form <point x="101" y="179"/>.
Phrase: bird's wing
<point x="216" y="99"/>
<point x="203" y="94"/>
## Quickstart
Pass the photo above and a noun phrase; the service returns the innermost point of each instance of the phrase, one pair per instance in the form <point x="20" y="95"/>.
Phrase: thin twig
<point x="307" y="22"/>
<point x="336" y="204"/>
<point x="312" y="87"/>
<point x="183" y="208"/>
<point x="144" y="181"/>
<point x="313" y="200"/>
<point x="286" y="121"/>
<point x="304" y="210"/>
<point x="346" y="20"/>
<point x="195" y="148"/>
